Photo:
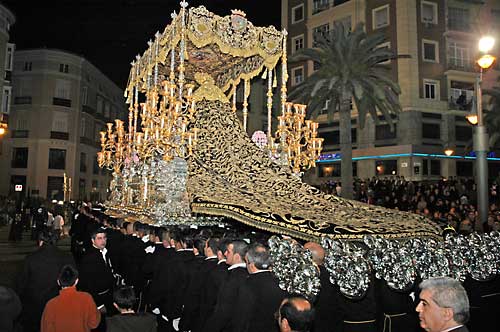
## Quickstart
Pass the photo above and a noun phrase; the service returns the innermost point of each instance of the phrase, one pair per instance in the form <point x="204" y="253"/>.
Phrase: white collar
<point x="145" y="238"/>
<point x="234" y="266"/>
<point x="221" y="261"/>
<point x="452" y="328"/>
<point x="260" y="271"/>
<point x="210" y="257"/>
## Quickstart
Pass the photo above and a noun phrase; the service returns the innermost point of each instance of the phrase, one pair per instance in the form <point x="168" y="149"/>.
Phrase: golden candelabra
<point x="297" y="138"/>
<point x="165" y="117"/>
<point x="115" y="147"/>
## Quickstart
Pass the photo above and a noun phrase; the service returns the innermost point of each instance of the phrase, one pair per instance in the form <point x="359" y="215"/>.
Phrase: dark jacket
<point x="37" y="283"/>
<point x="131" y="323"/>
<point x="329" y="315"/>
<point x="96" y="277"/>
<point x="224" y="317"/>
<point x="213" y="283"/>
<point x="259" y="297"/>
<point x="10" y="308"/>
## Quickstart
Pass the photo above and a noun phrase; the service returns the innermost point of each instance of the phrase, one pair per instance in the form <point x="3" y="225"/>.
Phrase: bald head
<point x="317" y="251"/>
<point x="295" y="314"/>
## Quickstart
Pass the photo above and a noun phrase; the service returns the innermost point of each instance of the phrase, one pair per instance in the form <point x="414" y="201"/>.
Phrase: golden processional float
<point x="186" y="151"/>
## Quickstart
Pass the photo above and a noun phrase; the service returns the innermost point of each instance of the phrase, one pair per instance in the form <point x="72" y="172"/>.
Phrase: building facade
<point x="436" y="44"/>
<point x="7" y="19"/>
<point x="60" y="102"/>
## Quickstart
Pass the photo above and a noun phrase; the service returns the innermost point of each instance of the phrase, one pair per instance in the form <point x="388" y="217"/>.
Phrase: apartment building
<point x="436" y="44"/>
<point x="60" y="103"/>
<point x="7" y="19"/>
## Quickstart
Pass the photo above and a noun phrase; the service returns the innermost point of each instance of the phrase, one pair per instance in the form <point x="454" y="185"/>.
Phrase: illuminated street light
<point x="449" y="151"/>
<point x="480" y="138"/>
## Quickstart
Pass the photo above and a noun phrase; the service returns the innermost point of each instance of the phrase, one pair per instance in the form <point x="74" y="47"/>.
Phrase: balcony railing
<point x="459" y="25"/>
<point x="59" y="135"/>
<point x="23" y="100"/>
<point x="19" y="133"/>
<point x="468" y="66"/>
<point x="61" y="102"/>
<point x="319" y="6"/>
<point x="88" y="109"/>
<point x="454" y="104"/>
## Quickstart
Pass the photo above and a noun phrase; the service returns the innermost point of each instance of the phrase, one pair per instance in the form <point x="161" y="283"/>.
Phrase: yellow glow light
<point x="486" y="61"/>
<point x="486" y="44"/>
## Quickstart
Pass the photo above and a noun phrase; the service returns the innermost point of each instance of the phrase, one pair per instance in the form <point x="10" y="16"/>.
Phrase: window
<point x="297" y="43"/>
<point x="461" y="94"/>
<point x="430" y="50"/>
<point x="463" y="133"/>
<point x="330" y="137"/>
<point x="27" y="66"/>
<point x="55" y="188"/>
<point x="320" y="5"/>
<point x="63" y="88"/>
<point x="319" y="31"/>
<point x="346" y="21"/>
<point x="95" y="184"/>
<point x="298" y="13"/>
<point x="19" y="158"/>
<point x="383" y="132"/>
<point x="9" y="56"/>
<point x="431" y="89"/>
<point x="329" y="170"/>
<point x="85" y="95"/>
<point x="431" y="130"/>
<point x="95" y="166"/>
<point x="7" y="90"/>
<point x="60" y="122"/>
<point x="380" y="17"/>
<point x="297" y="75"/>
<point x="458" y="19"/>
<point x="435" y="167"/>
<point x="81" y="189"/>
<point x="63" y="68"/>
<point x="83" y="162"/>
<point x="387" y="46"/>
<point x="106" y="110"/>
<point x="57" y="159"/>
<point x="100" y="105"/>
<point x="458" y="55"/>
<point x="464" y="168"/>
<point x="428" y="12"/>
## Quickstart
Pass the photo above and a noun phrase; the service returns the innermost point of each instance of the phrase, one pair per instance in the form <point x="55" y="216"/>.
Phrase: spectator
<point x="71" y="310"/>
<point x="443" y="306"/>
<point x="10" y="308"/>
<point x="124" y="301"/>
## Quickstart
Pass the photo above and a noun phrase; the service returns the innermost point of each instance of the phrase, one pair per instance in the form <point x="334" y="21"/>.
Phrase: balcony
<point x="19" y="134"/>
<point x="61" y="102"/>
<point x="24" y="100"/>
<point x="87" y="109"/>
<point x="59" y="135"/>
<point x="458" y="105"/>
<point x="320" y="5"/>
<point x="467" y="66"/>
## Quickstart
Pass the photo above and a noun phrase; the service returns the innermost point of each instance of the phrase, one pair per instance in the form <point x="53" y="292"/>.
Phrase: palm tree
<point x="492" y="116"/>
<point x="349" y="70"/>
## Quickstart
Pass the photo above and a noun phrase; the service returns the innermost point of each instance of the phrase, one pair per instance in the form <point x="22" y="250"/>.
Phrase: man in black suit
<point x="37" y="283"/>
<point x="96" y="272"/>
<point x="328" y="311"/>
<point x="260" y="296"/>
<point x="214" y="251"/>
<point x="223" y="318"/>
<point x="443" y="305"/>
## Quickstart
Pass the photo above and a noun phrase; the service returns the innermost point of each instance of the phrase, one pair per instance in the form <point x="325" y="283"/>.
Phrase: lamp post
<point x="480" y="135"/>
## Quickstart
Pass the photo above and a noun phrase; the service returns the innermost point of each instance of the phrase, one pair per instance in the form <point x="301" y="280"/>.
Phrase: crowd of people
<point x="124" y="276"/>
<point x="449" y="202"/>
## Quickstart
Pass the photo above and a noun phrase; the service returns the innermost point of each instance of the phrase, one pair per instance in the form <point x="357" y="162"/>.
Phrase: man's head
<point x="68" y="276"/>
<point x="222" y="248"/>
<point x="235" y="252"/>
<point x="99" y="238"/>
<point x="257" y="258"/>
<point x="199" y="244"/>
<point x="295" y="314"/>
<point x="124" y="298"/>
<point x="211" y="247"/>
<point x="130" y="228"/>
<point x="443" y="304"/>
<point x="317" y="251"/>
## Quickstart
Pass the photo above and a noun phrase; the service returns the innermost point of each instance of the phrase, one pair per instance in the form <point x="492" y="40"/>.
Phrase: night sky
<point x="109" y="33"/>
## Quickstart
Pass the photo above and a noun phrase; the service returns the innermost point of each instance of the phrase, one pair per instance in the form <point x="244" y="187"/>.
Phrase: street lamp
<point x="448" y="151"/>
<point x="480" y="135"/>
